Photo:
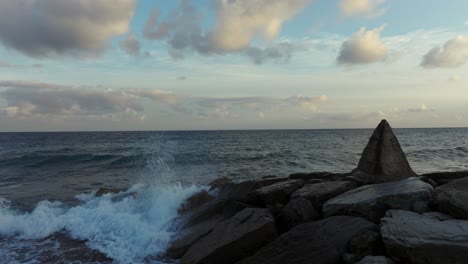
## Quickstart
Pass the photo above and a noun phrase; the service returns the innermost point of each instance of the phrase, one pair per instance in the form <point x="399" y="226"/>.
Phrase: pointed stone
<point x="383" y="159"/>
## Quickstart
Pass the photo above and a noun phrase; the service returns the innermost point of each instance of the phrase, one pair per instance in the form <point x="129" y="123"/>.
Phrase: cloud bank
<point x="453" y="53"/>
<point x="364" y="47"/>
<point x="237" y="24"/>
<point x="364" y="8"/>
<point x="51" y="28"/>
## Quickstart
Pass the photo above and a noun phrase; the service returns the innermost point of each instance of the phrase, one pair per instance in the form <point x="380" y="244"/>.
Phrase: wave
<point x="126" y="227"/>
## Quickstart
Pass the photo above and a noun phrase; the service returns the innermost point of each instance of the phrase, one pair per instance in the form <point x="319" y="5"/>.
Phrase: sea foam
<point x="127" y="227"/>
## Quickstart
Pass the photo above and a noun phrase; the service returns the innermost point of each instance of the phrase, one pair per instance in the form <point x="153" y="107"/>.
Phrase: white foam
<point x="126" y="229"/>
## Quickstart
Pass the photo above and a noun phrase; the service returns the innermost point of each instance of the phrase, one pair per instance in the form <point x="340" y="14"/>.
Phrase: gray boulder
<point x="234" y="238"/>
<point x="320" y="242"/>
<point x="376" y="260"/>
<point x="452" y="198"/>
<point x="415" y="238"/>
<point x="445" y="177"/>
<point x="383" y="159"/>
<point x="274" y="194"/>
<point x="318" y="193"/>
<point x="295" y="212"/>
<point x="372" y="201"/>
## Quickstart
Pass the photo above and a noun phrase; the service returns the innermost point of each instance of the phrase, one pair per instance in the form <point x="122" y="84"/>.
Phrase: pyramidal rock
<point x="383" y="159"/>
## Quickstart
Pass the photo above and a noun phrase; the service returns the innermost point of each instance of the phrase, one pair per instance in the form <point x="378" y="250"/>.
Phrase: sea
<point x="49" y="212"/>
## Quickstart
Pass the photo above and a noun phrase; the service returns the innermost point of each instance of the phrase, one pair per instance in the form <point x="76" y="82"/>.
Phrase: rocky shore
<point x="381" y="212"/>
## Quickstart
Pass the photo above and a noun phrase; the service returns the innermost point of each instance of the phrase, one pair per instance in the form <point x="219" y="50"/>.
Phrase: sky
<point x="232" y="64"/>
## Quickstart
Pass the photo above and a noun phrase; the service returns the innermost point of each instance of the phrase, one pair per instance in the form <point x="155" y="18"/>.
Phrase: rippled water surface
<point x="48" y="209"/>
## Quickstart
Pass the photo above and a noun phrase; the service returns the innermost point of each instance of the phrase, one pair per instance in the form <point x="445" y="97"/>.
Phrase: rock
<point x="382" y="160"/>
<point x="319" y="193"/>
<point x="414" y="238"/>
<point x="237" y="191"/>
<point x="445" y="177"/>
<point x="185" y="238"/>
<point x="276" y="193"/>
<point x="429" y="180"/>
<point x="367" y="243"/>
<point x="195" y="201"/>
<point x="438" y="216"/>
<point x="452" y="198"/>
<point x="233" y="239"/>
<point x="219" y="182"/>
<point x="104" y="191"/>
<point x="317" y="242"/>
<point x="327" y="176"/>
<point x="376" y="260"/>
<point x="271" y="180"/>
<point x="372" y="201"/>
<point x="297" y="211"/>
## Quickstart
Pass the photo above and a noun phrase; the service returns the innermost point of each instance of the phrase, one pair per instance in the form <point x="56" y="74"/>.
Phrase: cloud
<point x="419" y="109"/>
<point x="453" y="53"/>
<point x="4" y="64"/>
<point x="363" y="8"/>
<point x="30" y="99"/>
<point x="237" y="24"/>
<point x="51" y="28"/>
<point x="238" y="106"/>
<point x="364" y="47"/>
<point x="131" y="45"/>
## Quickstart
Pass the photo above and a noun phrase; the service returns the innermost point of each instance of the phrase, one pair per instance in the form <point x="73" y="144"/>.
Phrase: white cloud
<point x="28" y="99"/>
<point x="237" y="24"/>
<point x="49" y="28"/>
<point x="363" y="47"/>
<point x="364" y="8"/>
<point x="453" y="53"/>
<point x="419" y="109"/>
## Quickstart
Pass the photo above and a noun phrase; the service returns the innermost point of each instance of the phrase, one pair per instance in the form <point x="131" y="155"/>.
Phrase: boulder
<point x="327" y="176"/>
<point x="317" y="242"/>
<point x="367" y="243"/>
<point x="195" y="201"/>
<point x="242" y="191"/>
<point x="295" y="212"/>
<point x="319" y="193"/>
<point x="452" y="198"/>
<point x="415" y="238"/>
<point x="382" y="160"/>
<point x="274" y="194"/>
<point x="372" y="201"/>
<point x="376" y="260"/>
<point x="445" y="177"/>
<point x="234" y="238"/>
<point x="219" y="182"/>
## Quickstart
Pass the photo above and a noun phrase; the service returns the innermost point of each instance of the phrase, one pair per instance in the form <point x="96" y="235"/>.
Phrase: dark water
<point x="46" y="172"/>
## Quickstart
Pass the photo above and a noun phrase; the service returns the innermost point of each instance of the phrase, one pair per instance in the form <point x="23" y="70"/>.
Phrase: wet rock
<point x="372" y="201"/>
<point x="237" y="191"/>
<point x="376" y="260"/>
<point x="327" y="176"/>
<point x="104" y="191"/>
<point x="233" y="239"/>
<point x="219" y="182"/>
<point x="415" y="238"/>
<point x="317" y="242"/>
<point x="367" y="243"/>
<point x="445" y="177"/>
<point x="452" y="198"/>
<point x="274" y="194"/>
<point x="195" y="201"/>
<point x="319" y="193"/>
<point x="295" y="212"/>
<point x="382" y="160"/>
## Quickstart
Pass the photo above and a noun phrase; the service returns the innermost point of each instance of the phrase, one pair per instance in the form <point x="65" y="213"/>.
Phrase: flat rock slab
<point x="320" y="242"/>
<point x="446" y="177"/>
<point x="452" y="198"/>
<point x="318" y="193"/>
<point x="234" y="238"/>
<point x="275" y="193"/>
<point x="415" y="238"/>
<point x="372" y="201"/>
<point x="376" y="260"/>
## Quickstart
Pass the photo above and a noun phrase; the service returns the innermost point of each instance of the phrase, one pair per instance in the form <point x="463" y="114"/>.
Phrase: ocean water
<point x="49" y="212"/>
